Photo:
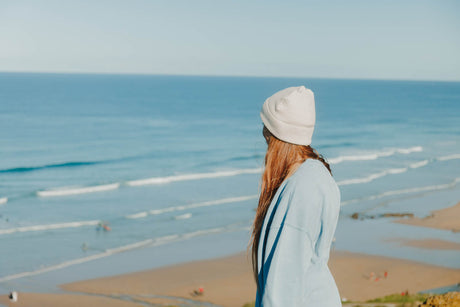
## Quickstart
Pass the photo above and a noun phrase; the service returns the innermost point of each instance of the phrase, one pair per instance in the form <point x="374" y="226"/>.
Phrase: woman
<point x="298" y="209"/>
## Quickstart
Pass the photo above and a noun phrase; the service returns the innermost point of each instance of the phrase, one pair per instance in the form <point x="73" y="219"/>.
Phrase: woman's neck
<point x="294" y="168"/>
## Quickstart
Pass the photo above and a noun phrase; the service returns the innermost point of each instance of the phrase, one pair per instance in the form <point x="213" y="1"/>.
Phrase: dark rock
<point x="451" y="299"/>
<point x="357" y="215"/>
<point x="398" y="215"/>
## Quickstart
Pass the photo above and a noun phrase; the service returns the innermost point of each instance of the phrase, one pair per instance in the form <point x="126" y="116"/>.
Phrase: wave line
<point x="449" y="157"/>
<point x="75" y="191"/>
<point x="192" y="206"/>
<point x="183" y="216"/>
<point x="372" y="177"/>
<point x="186" y="177"/>
<point x="48" y="227"/>
<point x="376" y="155"/>
<point x="390" y="171"/>
<point x="404" y="191"/>
<point x="124" y="248"/>
<point x="419" y="164"/>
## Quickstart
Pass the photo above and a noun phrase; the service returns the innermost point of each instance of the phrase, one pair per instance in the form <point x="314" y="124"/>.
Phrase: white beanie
<point x="290" y="115"/>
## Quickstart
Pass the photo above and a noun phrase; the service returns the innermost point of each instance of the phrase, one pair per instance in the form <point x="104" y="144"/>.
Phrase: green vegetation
<point x="396" y="300"/>
<point x="393" y="300"/>
<point x="408" y="300"/>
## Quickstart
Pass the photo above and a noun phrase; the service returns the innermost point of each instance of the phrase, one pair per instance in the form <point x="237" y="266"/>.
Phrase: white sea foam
<point x="409" y="150"/>
<point x="121" y="249"/>
<point x="405" y="191"/>
<point x="48" y="227"/>
<point x="376" y="155"/>
<point x="3" y="200"/>
<point x="128" y="247"/>
<point x="165" y="239"/>
<point x="192" y="206"/>
<point x="449" y="157"/>
<point x="419" y="164"/>
<point x="197" y="176"/>
<point x="137" y="215"/>
<point x="390" y="171"/>
<point x="203" y="232"/>
<point x="218" y="174"/>
<point x="79" y="190"/>
<point x="53" y="268"/>
<point x="65" y="264"/>
<point x="372" y="177"/>
<point x="183" y="216"/>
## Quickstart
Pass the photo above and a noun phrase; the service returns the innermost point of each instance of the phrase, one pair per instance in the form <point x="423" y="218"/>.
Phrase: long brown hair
<point x="281" y="161"/>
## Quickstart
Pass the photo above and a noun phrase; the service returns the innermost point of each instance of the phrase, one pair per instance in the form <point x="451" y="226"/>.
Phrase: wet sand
<point x="447" y="219"/>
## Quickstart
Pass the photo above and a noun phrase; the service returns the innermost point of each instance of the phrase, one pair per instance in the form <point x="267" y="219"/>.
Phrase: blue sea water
<point x="162" y="159"/>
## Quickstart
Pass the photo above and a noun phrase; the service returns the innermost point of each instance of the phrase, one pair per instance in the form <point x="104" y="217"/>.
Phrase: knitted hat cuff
<point x="299" y="135"/>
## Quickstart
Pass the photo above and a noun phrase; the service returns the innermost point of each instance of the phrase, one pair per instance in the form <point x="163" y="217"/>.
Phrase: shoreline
<point x="228" y="281"/>
<point x="424" y="244"/>
<point x="174" y="275"/>
<point x="445" y="219"/>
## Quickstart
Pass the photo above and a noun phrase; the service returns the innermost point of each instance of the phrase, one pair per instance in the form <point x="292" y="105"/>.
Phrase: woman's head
<point x="287" y="116"/>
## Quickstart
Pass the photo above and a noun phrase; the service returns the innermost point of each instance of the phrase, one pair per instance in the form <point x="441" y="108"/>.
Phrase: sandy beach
<point x="447" y="219"/>
<point x="67" y="300"/>
<point x="228" y="282"/>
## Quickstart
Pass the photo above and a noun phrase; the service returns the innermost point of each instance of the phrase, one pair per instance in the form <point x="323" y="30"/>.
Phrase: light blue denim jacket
<point x="295" y="241"/>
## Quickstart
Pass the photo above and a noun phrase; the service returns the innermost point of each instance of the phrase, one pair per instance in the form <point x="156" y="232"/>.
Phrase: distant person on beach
<point x="298" y="209"/>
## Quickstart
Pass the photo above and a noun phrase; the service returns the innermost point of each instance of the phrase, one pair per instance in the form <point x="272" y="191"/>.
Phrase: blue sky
<point x="330" y="39"/>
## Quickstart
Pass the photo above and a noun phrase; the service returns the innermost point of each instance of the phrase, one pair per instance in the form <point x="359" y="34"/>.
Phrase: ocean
<point x="92" y="166"/>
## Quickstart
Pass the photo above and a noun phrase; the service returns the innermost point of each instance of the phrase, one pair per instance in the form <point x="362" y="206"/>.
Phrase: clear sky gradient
<point x="387" y="39"/>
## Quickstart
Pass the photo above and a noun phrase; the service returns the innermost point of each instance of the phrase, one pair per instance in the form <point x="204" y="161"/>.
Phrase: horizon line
<point x="223" y="76"/>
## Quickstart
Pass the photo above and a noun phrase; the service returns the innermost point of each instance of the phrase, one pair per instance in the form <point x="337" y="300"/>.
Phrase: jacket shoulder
<point x="312" y="172"/>
<point x="312" y="184"/>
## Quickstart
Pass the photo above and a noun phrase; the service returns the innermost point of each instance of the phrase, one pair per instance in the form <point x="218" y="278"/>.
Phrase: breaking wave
<point x="192" y="206"/>
<point x="372" y="177"/>
<point x="186" y="177"/>
<point x="449" y="157"/>
<point x="229" y="173"/>
<point x="112" y="251"/>
<point x="183" y="216"/>
<point x="390" y="171"/>
<point x="48" y="227"/>
<point x="376" y="155"/>
<point x="78" y="190"/>
<point x="419" y="164"/>
<point x="429" y="188"/>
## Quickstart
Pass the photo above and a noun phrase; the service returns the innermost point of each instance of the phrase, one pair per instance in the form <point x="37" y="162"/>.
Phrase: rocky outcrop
<point x="450" y="299"/>
<point x="361" y="216"/>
